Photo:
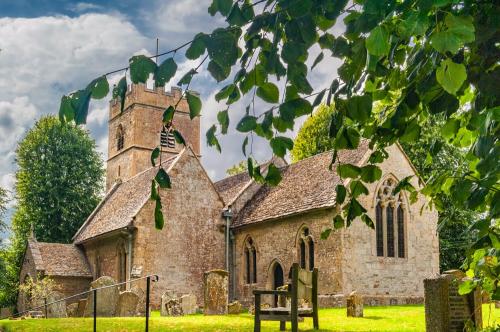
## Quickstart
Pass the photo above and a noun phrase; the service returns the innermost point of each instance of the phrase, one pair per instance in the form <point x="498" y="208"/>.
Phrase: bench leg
<point x="315" y="321"/>
<point x="256" y="326"/>
<point x="282" y="325"/>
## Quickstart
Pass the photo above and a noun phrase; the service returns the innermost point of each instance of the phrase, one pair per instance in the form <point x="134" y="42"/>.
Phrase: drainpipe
<point x="129" y="259"/>
<point x="228" y="214"/>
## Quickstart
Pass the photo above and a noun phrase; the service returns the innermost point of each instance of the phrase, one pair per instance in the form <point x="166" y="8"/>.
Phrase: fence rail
<point x="149" y="279"/>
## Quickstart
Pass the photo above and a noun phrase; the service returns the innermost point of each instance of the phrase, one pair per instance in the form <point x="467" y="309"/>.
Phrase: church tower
<point x="134" y="133"/>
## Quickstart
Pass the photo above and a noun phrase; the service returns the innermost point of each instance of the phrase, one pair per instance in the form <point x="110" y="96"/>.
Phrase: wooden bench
<point x="304" y="285"/>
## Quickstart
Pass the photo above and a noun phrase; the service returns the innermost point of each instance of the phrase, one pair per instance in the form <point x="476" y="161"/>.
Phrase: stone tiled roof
<point x="120" y="205"/>
<point x="306" y="185"/>
<point x="229" y="187"/>
<point x="58" y="259"/>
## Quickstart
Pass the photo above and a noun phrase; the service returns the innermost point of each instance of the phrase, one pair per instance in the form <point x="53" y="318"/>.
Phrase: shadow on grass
<point x="373" y="317"/>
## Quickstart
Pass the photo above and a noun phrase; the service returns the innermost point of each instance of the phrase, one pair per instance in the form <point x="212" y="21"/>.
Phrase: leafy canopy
<point x="417" y="58"/>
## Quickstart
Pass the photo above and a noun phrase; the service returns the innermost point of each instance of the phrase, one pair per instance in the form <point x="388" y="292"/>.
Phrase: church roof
<point x="306" y="185"/>
<point x="229" y="187"/>
<point x="120" y="205"/>
<point x="58" y="259"/>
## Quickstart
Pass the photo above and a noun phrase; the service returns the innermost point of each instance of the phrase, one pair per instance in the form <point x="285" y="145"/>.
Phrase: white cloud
<point x="81" y="7"/>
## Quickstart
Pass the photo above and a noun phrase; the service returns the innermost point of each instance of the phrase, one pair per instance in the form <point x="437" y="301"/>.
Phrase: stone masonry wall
<point x="392" y="278"/>
<point x="141" y="121"/>
<point x="27" y="269"/>
<point x="192" y="240"/>
<point x="277" y="241"/>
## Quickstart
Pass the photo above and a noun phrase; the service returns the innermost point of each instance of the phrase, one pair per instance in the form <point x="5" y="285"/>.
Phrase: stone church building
<point x="269" y="227"/>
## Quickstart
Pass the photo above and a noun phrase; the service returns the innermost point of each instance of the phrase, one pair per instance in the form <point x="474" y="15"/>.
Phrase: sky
<point x="52" y="47"/>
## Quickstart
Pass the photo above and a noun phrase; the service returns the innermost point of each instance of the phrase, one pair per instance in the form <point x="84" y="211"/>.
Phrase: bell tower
<point x="134" y="133"/>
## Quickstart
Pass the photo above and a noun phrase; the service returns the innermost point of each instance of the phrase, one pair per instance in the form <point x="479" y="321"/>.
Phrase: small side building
<point x="64" y="263"/>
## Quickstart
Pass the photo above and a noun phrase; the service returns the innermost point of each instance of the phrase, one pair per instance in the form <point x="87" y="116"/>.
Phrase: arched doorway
<point x="278" y="279"/>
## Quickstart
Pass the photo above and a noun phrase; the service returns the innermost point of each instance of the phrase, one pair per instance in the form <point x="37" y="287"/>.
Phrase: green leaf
<point x="165" y="72"/>
<point x="268" y="92"/>
<point x="359" y="108"/>
<point x="154" y="191"/>
<point x="451" y="75"/>
<point x="377" y="43"/>
<point x="280" y="145"/>
<point x="325" y="234"/>
<point x="186" y="79"/>
<point x="357" y="189"/>
<point x="194" y="103"/>
<point x="223" y="119"/>
<point x="273" y="176"/>
<point x="80" y="101"/>
<point x="99" y="87"/>
<point x="212" y="139"/>
<point x="368" y="221"/>
<point x="66" y="111"/>
<point x="404" y="184"/>
<point x="220" y="73"/>
<point x="414" y="25"/>
<point x="354" y="209"/>
<point x="338" y="222"/>
<point x="225" y="92"/>
<point x="295" y="108"/>
<point x="347" y="138"/>
<point x="318" y="99"/>
<point x="159" y="221"/>
<point x="197" y="47"/>
<point x="459" y="30"/>
<point x="163" y="179"/>
<point x="341" y="193"/>
<point x="370" y="173"/>
<point x="247" y="123"/>
<point x="236" y="16"/>
<point x="120" y="90"/>
<point x="317" y="60"/>
<point x="154" y="155"/>
<point x="466" y="287"/>
<point x="222" y="6"/>
<point x="348" y="171"/>
<point x="450" y="128"/>
<point x="140" y="68"/>
<point x="179" y="138"/>
<point x="244" y="146"/>
<point x="168" y="115"/>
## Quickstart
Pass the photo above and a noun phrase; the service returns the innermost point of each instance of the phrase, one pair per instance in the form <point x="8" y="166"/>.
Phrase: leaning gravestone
<point x="106" y="298"/>
<point x="188" y="304"/>
<point x="215" y="285"/>
<point x="354" y="305"/>
<point x="56" y="309"/>
<point x="141" y="304"/>
<point x="234" y="308"/>
<point x="445" y="309"/>
<point x="80" y="311"/>
<point x="127" y="304"/>
<point x="165" y="298"/>
<point x="72" y="309"/>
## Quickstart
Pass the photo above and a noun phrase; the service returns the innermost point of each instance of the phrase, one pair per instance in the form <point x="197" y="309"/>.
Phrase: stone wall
<point x="142" y="124"/>
<point x="382" y="279"/>
<point x="192" y="240"/>
<point x="277" y="241"/>
<point x="27" y="270"/>
<point x="104" y="251"/>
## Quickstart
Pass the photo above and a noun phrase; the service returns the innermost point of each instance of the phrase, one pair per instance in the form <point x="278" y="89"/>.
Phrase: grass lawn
<point x="394" y="318"/>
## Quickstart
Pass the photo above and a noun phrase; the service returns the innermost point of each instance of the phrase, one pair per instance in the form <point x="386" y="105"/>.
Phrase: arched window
<point x="167" y="139"/>
<point x="97" y="267"/>
<point x="250" y="261"/>
<point x="120" y="138"/>
<point x="122" y="264"/>
<point x="305" y="249"/>
<point x="390" y="231"/>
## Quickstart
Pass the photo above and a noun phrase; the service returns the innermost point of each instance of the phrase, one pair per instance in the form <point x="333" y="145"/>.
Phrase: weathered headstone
<point x="354" y="305"/>
<point x="188" y="304"/>
<point x="167" y="296"/>
<point x="141" y="304"/>
<point x="80" y="311"/>
<point x="173" y="307"/>
<point x="56" y="309"/>
<point x="215" y="285"/>
<point x="107" y="298"/>
<point x="234" y="308"/>
<point x="5" y="312"/>
<point x="445" y="309"/>
<point x="72" y="309"/>
<point x="127" y="304"/>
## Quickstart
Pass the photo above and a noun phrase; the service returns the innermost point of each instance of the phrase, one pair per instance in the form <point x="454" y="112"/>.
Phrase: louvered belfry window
<point x="120" y="138"/>
<point x="390" y="229"/>
<point x="167" y="139"/>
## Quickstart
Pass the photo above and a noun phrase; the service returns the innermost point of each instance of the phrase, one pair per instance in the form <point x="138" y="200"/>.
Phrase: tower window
<point x="167" y="139"/>
<point x="120" y="138"/>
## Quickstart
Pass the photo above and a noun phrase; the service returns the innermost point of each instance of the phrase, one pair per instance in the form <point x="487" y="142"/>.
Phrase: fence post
<point x="148" y="285"/>
<point x="45" y="303"/>
<point x="95" y="310"/>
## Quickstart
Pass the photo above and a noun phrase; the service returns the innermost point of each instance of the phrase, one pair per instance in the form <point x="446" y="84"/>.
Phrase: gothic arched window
<point x="311" y="253"/>
<point x="122" y="264"/>
<point x="390" y="231"/>
<point x="120" y="138"/>
<point x="302" y="246"/>
<point x="250" y="261"/>
<point x="306" y="249"/>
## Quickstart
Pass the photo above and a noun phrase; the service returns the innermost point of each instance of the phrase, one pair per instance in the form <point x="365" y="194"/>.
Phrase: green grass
<point x="394" y="318"/>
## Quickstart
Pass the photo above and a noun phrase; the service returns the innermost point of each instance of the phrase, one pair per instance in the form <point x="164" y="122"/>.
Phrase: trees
<point x="3" y="207"/>
<point x="416" y="58"/>
<point x="454" y="221"/>
<point x="59" y="180"/>
<point x="58" y="184"/>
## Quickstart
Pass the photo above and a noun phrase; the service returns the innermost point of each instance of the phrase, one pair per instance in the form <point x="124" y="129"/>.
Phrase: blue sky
<point x="52" y="47"/>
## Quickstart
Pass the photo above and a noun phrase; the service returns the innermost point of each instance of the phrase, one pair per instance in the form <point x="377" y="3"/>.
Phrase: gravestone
<point x="188" y="304"/>
<point x="445" y="309"/>
<point x="72" y="309"/>
<point x="215" y="286"/>
<point x="165" y="298"/>
<point x="5" y="312"/>
<point x="106" y="298"/>
<point x="354" y="305"/>
<point x="173" y="307"/>
<point x="234" y="308"/>
<point x="141" y="304"/>
<point x="57" y="309"/>
<point x="80" y="311"/>
<point x="127" y="304"/>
